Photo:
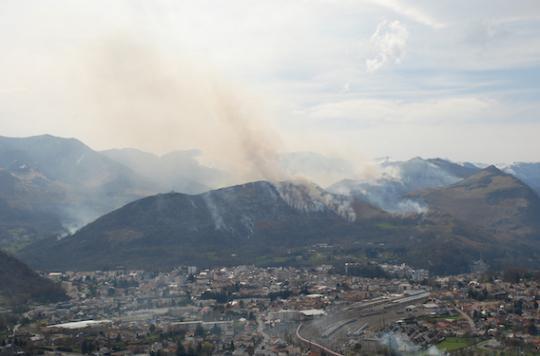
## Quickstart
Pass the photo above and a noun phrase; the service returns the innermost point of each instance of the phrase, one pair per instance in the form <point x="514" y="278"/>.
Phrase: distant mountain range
<point x="398" y="179"/>
<point x="224" y="226"/>
<point x="20" y="285"/>
<point x="53" y="185"/>
<point x="411" y="211"/>
<point x="529" y="173"/>
<point x="62" y="182"/>
<point x="492" y="200"/>
<point x="25" y="210"/>
<point x="257" y="222"/>
<point x="178" y="171"/>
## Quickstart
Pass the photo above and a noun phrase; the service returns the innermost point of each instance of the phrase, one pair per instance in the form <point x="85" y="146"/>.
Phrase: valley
<point x="260" y="267"/>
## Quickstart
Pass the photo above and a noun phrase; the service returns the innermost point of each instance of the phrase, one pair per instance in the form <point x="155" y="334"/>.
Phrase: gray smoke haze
<point x="128" y="89"/>
<point x="400" y="344"/>
<point x="145" y="96"/>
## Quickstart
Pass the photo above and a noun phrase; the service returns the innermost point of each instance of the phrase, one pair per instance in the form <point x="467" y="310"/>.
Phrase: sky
<point x="457" y="79"/>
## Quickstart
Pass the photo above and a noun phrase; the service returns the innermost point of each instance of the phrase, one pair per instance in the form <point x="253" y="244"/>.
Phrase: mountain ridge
<point x="20" y="285"/>
<point x="492" y="199"/>
<point x="262" y="221"/>
<point x="252" y="214"/>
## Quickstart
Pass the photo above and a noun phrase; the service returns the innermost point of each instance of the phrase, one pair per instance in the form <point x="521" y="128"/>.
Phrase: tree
<point x="84" y="347"/>
<point x="199" y="331"/>
<point x="92" y="290"/>
<point x="518" y="307"/>
<point x="207" y="348"/>
<point x="216" y="330"/>
<point x="532" y="329"/>
<point x="87" y="347"/>
<point x="180" y="349"/>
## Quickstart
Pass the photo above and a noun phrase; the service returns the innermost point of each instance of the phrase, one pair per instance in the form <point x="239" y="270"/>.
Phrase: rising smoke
<point x="400" y="344"/>
<point x="148" y="97"/>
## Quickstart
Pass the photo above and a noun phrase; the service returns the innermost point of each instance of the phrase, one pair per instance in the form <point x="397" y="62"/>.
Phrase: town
<point x="246" y="310"/>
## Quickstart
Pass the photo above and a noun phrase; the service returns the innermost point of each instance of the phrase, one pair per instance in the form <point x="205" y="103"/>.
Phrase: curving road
<point x="468" y="318"/>
<point x="314" y="344"/>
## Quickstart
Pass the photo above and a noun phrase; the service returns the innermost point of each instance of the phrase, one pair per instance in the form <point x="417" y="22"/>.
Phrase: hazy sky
<point x="401" y="78"/>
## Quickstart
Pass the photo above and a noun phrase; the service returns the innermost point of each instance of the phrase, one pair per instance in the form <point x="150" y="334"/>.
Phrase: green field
<point x="387" y="226"/>
<point x="455" y="343"/>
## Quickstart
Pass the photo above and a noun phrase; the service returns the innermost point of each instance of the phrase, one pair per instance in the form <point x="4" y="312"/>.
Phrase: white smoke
<point x="396" y="181"/>
<point x="148" y="96"/>
<point x="399" y="343"/>
<point x="408" y="206"/>
<point x="306" y="196"/>
<point x="402" y="345"/>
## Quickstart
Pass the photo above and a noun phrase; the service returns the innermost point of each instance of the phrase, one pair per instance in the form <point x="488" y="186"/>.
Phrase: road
<point x="468" y="318"/>
<point x="262" y="348"/>
<point x="313" y="344"/>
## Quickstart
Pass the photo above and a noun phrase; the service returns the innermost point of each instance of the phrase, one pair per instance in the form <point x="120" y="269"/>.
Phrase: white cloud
<point x="362" y="112"/>
<point x="410" y="12"/>
<point x="461" y="62"/>
<point x="389" y="42"/>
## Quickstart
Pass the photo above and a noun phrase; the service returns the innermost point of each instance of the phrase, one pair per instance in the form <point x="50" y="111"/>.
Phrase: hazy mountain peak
<point x="399" y="178"/>
<point x="492" y="199"/>
<point x="493" y="170"/>
<point x="177" y="170"/>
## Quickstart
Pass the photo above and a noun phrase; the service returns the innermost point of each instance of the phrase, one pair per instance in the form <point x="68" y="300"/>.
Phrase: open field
<point x="455" y="343"/>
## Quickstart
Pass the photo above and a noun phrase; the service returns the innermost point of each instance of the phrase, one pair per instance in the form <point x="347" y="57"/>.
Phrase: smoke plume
<point x="160" y="100"/>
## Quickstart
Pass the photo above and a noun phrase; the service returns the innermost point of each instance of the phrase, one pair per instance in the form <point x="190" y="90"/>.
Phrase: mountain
<point x="529" y="173"/>
<point x="90" y="183"/>
<point x="271" y="224"/>
<point x="182" y="171"/>
<point x="68" y="161"/>
<point x="491" y="199"/>
<point x="25" y="213"/>
<point x="226" y="226"/>
<point x="175" y="171"/>
<point x="316" y="167"/>
<point x="53" y="184"/>
<point x="20" y="285"/>
<point x="49" y="184"/>
<point x="397" y="179"/>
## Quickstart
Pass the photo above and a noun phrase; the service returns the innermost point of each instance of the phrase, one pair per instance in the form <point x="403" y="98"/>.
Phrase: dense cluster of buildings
<point x="246" y="310"/>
